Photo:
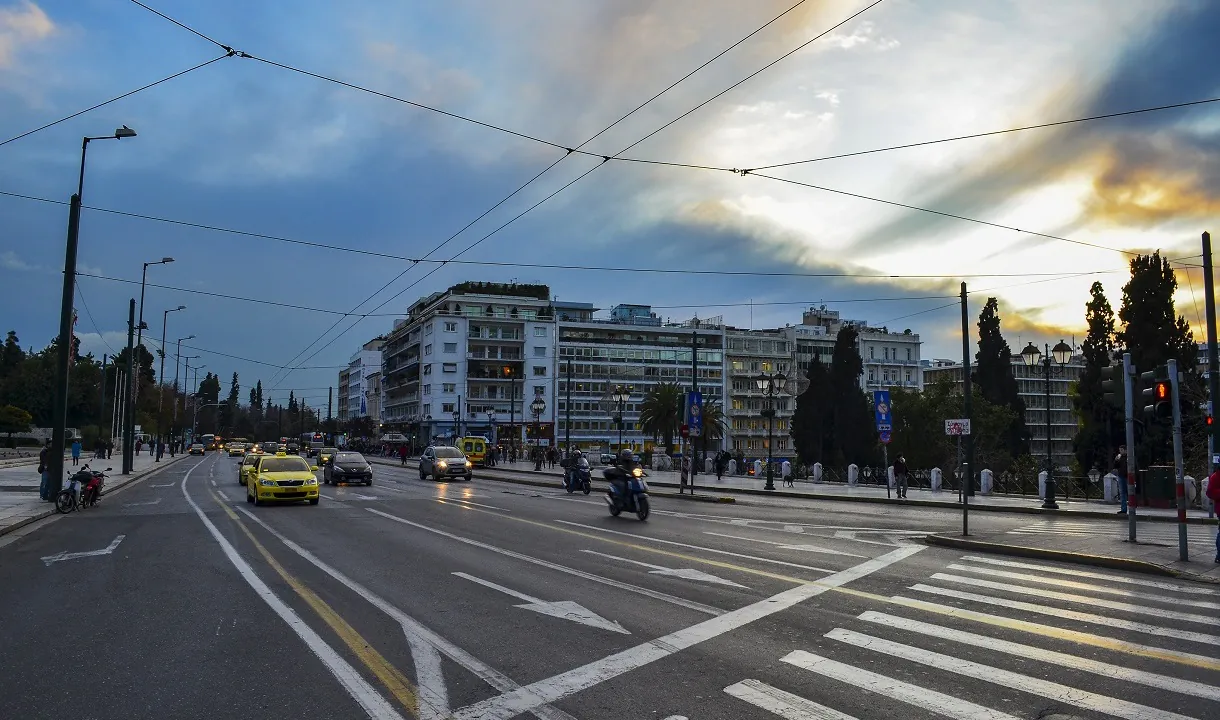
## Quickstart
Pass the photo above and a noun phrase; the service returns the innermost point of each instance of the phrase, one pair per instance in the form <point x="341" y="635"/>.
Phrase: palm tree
<point x="713" y="425"/>
<point x="661" y="413"/>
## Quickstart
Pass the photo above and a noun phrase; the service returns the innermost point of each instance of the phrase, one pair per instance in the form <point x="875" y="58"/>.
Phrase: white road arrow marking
<point x="358" y="496"/>
<point x="91" y="553"/>
<point x="684" y="573"/>
<point x="564" y="609"/>
<point x="166" y="485"/>
<point x="784" y="546"/>
<point x="150" y="502"/>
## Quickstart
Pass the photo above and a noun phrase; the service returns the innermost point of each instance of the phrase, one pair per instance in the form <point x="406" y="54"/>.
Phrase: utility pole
<point x="567" y="423"/>
<point x="101" y="407"/>
<point x="1178" y="471"/>
<point x="968" y="474"/>
<point x="1129" y="426"/>
<point x="694" y="388"/>
<point x="129" y="410"/>
<point x="1213" y="365"/>
<point x="330" y="397"/>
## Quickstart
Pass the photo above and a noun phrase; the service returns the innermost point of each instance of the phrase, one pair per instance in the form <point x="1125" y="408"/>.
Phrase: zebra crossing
<point x="1163" y="533"/>
<point x="994" y="639"/>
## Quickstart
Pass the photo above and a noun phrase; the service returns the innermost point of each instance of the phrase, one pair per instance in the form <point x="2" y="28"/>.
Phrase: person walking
<point x="160" y="450"/>
<point x="900" y="476"/>
<point x="402" y="454"/>
<point x="1119" y="469"/>
<point x="44" y="472"/>
<point x="109" y="448"/>
<point x="76" y="451"/>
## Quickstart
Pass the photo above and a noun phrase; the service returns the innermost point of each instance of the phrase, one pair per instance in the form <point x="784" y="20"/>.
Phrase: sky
<point x="246" y="145"/>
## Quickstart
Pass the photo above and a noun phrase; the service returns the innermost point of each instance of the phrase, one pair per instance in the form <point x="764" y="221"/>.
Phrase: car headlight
<point x="442" y="464"/>
<point x="469" y="464"/>
<point x="267" y="483"/>
<point x="312" y="481"/>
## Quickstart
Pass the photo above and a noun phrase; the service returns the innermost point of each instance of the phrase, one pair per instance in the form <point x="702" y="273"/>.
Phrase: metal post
<point x="694" y="388"/>
<point x="129" y="409"/>
<point x="967" y="481"/>
<point x="1179" y="473"/>
<point x="567" y="423"/>
<point x="1213" y="364"/>
<point x="115" y="411"/>
<point x="59" y="423"/>
<point x="329" y="401"/>
<point x="1129" y="422"/>
<point x="770" y="421"/>
<point x="1048" y="502"/>
<point x="101" y="407"/>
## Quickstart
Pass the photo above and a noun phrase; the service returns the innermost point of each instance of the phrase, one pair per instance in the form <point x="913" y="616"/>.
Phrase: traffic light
<point x="1112" y="386"/>
<point x="1156" y="392"/>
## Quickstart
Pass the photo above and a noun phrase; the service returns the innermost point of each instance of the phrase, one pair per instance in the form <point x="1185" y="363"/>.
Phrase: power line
<point x="258" y="362"/>
<point x="189" y="29"/>
<point x="989" y="133"/>
<point x="212" y="294"/>
<point x="93" y="322"/>
<point x="114" y="99"/>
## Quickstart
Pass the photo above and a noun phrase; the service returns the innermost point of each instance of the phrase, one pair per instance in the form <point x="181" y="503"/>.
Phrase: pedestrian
<point x="719" y="466"/>
<point x="76" y="451"/>
<point x="785" y="470"/>
<point x="1120" y="471"/>
<point x="44" y="471"/>
<point x="402" y="453"/>
<point x="160" y="450"/>
<point x="1213" y="494"/>
<point x="109" y="448"/>
<point x="741" y="463"/>
<point x="900" y="476"/>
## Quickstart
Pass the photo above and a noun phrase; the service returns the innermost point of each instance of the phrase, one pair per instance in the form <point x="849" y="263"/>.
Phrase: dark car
<point x="444" y="461"/>
<point x="347" y="467"/>
<point x="195" y="449"/>
<point x="293" y="449"/>
<point x="272" y="448"/>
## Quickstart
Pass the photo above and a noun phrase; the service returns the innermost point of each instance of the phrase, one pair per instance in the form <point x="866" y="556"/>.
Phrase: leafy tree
<point x="713" y="425"/>
<point x="810" y="416"/>
<point x="833" y="420"/>
<point x="994" y="378"/>
<point x="919" y="421"/>
<point x="12" y="355"/>
<point x="1099" y="425"/>
<point x="292" y="403"/>
<point x="14" y="420"/>
<point x="361" y="427"/>
<point x="661" y="412"/>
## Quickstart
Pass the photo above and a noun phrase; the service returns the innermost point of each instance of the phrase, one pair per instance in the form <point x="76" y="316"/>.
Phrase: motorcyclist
<point x="620" y="478"/>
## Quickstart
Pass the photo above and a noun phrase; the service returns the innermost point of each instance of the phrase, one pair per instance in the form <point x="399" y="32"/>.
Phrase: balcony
<point x="489" y="355"/>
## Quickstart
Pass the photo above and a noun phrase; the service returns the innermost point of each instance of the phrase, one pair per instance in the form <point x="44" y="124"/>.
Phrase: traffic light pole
<point x="1178" y="471"/>
<point x="1129" y="423"/>
<point x="1213" y="365"/>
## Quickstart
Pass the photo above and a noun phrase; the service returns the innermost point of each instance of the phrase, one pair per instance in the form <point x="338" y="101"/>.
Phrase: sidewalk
<point x="739" y="485"/>
<point x="19" y="503"/>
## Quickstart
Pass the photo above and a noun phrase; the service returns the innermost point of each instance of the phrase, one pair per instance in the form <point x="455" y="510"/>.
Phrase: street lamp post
<point x="457" y="420"/>
<point x="63" y="361"/>
<point x="771" y="385"/>
<point x="491" y="420"/>
<point x="621" y="396"/>
<point x="536" y="409"/>
<point x="177" y="357"/>
<point x="1033" y="357"/>
<point x="133" y="388"/>
<point x="161" y="377"/>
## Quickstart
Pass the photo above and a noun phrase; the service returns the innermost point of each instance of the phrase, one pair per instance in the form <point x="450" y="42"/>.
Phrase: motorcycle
<point x="84" y="490"/>
<point x="577" y="478"/>
<point x="628" y="491"/>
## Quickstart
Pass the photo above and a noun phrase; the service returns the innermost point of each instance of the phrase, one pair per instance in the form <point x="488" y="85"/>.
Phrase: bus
<point x="209" y="441"/>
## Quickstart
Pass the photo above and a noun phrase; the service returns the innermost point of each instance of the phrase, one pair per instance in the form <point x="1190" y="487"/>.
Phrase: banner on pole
<point x="694" y="413"/>
<point x="882" y="410"/>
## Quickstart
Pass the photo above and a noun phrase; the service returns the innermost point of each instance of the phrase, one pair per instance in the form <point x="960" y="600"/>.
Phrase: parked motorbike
<point x="628" y="491"/>
<point x="577" y="478"/>
<point x="84" y="490"/>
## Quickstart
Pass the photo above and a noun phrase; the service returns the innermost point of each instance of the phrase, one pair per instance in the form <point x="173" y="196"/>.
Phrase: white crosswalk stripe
<point x="962" y="650"/>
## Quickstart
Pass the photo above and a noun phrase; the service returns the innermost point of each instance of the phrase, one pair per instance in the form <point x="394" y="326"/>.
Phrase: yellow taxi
<point x="282" y="477"/>
<point x="325" y="454"/>
<point x="247" y="464"/>
<point x="236" y="449"/>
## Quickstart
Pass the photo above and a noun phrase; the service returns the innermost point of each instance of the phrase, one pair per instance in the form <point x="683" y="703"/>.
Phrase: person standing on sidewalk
<point x="44" y="471"/>
<point x="76" y="451"/>
<point x="900" y="476"/>
<point x="1120" y="471"/>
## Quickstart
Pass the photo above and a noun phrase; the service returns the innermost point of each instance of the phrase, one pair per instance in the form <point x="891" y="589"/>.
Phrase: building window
<point x="428" y="349"/>
<point x="908" y="376"/>
<point x="872" y="354"/>
<point x="427" y="389"/>
<point x="450" y="326"/>
<point x="447" y="407"/>
<point x="428" y="329"/>
<point x="539" y="351"/>
<point x="450" y="387"/>
<point x="540" y="332"/>
<point x="540" y="371"/>
<point x="539" y="390"/>
<point x="871" y="375"/>
<point x="450" y="347"/>
<point x="449" y="367"/>
<point x="886" y="353"/>
<point x="428" y="369"/>
<point x="908" y="353"/>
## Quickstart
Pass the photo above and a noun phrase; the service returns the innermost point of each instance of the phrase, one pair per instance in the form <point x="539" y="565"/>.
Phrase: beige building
<point x="749" y="354"/>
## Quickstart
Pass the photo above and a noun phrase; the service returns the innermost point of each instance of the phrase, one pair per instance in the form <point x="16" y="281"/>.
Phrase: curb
<point x="126" y="481"/>
<point x="1101" y="561"/>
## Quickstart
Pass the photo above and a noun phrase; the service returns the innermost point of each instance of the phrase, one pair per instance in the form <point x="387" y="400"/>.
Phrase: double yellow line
<point x="391" y="677"/>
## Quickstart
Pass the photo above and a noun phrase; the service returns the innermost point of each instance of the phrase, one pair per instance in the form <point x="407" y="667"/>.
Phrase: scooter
<point x="84" y="490"/>
<point x="577" y="478"/>
<point x="628" y="491"/>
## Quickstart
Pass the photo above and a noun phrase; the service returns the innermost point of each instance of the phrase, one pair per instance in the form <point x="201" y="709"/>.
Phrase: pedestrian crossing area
<point x="1161" y="533"/>
<point x="993" y="639"/>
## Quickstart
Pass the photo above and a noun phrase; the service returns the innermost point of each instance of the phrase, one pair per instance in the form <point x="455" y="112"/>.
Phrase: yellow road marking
<point x="399" y="686"/>
<point x="1011" y="624"/>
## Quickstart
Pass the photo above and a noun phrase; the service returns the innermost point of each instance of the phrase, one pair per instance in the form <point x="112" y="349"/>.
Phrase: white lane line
<point x="1105" y="669"/>
<point x="684" y="573"/>
<point x="656" y="595"/>
<point x="1082" y="599"/>
<point x="59" y="557"/>
<point x="562" y="609"/>
<point x="1074" y="636"/>
<point x="784" y="704"/>
<point x="1073" y="615"/>
<point x="165" y="485"/>
<point x="419" y="637"/>
<point x="361" y="691"/>
<point x="916" y="695"/>
<point x="647" y="539"/>
<point x="140" y="504"/>
<point x="1005" y="678"/>
<point x="212" y="481"/>
<point x="446" y="501"/>
<point x="786" y="546"/>
<point x="1094" y="575"/>
<point x="1090" y="587"/>
<point x="582" y="678"/>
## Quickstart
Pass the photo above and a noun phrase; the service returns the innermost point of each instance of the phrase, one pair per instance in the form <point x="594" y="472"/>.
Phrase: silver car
<point x="443" y="461"/>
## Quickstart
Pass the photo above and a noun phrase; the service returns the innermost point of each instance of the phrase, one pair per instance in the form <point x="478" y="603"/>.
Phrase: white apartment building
<point x="630" y="348"/>
<point x="749" y="354"/>
<point x="891" y="359"/>
<point x="468" y="354"/>
<point x="363" y="363"/>
<point x="344" y="386"/>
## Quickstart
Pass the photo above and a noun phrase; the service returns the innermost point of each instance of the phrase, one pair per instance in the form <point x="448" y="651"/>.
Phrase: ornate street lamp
<point x="771" y="385"/>
<point x="621" y="396"/>
<point x="1036" y="361"/>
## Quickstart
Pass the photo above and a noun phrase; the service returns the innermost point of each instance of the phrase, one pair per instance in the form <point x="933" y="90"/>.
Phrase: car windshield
<point x="330" y="451"/>
<point x="284" y="464"/>
<point x="448" y="452"/>
<point x="250" y="460"/>
<point x="197" y="445"/>
<point x="355" y="458"/>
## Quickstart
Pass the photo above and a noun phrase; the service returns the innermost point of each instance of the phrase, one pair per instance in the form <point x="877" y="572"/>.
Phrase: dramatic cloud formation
<point x="20" y="25"/>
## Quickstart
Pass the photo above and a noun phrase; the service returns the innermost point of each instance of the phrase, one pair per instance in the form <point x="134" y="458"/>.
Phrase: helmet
<point x="625" y="456"/>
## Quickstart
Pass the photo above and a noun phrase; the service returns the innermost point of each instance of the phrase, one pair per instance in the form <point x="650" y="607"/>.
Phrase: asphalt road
<point x="490" y="600"/>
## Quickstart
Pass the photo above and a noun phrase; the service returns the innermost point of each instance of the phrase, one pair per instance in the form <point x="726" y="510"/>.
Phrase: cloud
<point x="89" y="269"/>
<point x="9" y="260"/>
<point x="864" y="36"/>
<point x="21" y="25"/>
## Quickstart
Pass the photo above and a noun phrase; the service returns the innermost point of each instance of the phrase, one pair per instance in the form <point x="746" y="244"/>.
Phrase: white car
<point x="444" y="461"/>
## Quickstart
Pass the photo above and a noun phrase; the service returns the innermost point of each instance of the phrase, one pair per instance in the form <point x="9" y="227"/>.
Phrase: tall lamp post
<point x="133" y="385"/>
<point x="161" y="376"/>
<point x="187" y="361"/>
<point x="1034" y="358"/>
<point x="491" y="421"/>
<point x="457" y="420"/>
<point x="621" y="395"/>
<point x="63" y="360"/>
<point x="536" y="409"/>
<point x="771" y="385"/>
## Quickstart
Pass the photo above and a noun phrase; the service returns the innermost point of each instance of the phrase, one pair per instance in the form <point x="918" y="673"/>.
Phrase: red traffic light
<point x="1209" y="420"/>
<point x="1162" y="391"/>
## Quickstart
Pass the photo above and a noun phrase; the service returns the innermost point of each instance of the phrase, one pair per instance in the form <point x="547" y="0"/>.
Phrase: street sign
<point x="694" y="413"/>
<point x="885" y="437"/>
<point x="960" y="426"/>
<point x="882" y="408"/>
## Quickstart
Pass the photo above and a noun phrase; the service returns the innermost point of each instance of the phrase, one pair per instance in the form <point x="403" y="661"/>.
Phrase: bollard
<point x="937" y="479"/>
<point x="986" y="482"/>
<point x="853" y="474"/>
